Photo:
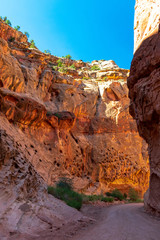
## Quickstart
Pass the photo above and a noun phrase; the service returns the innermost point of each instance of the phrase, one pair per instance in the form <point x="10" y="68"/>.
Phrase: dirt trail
<point x="121" y="222"/>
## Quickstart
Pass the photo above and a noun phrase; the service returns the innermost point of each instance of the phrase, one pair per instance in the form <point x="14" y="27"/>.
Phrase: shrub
<point x="17" y="28"/>
<point x="95" y="68"/>
<point x="94" y="197"/>
<point x="11" y="39"/>
<point x="54" y="68"/>
<point x="62" y="70"/>
<point x="8" y="22"/>
<point x="47" y="52"/>
<point x="107" y="199"/>
<point x="63" y="191"/>
<point x="108" y="194"/>
<point x="59" y="63"/>
<point x="73" y="66"/>
<point x="5" y="18"/>
<point x="27" y="34"/>
<point x="116" y="194"/>
<point x="68" y="56"/>
<point x="125" y="195"/>
<point x="32" y="44"/>
<point x="64" y="183"/>
<point x="133" y="195"/>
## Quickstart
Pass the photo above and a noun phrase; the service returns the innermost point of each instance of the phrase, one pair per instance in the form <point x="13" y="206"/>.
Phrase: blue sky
<point x="86" y="29"/>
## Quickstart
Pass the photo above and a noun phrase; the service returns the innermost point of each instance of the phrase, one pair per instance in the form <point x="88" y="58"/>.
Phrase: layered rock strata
<point x="146" y="21"/>
<point x="144" y="89"/>
<point x="77" y="118"/>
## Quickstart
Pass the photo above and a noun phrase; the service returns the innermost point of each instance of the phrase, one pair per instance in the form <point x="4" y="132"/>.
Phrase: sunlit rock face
<point x="144" y="91"/>
<point x="146" y="20"/>
<point x="76" y="122"/>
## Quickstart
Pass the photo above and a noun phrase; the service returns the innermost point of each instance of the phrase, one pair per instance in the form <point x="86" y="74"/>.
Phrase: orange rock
<point x="143" y="86"/>
<point x="80" y="128"/>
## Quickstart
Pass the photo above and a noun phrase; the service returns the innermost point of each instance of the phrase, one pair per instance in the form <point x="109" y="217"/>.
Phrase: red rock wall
<point x="146" y="20"/>
<point x="144" y="91"/>
<point x="79" y="128"/>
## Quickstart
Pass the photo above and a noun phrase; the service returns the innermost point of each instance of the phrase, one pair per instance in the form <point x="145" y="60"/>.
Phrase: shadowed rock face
<point x="144" y="92"/>
<point x="78" y="120"/>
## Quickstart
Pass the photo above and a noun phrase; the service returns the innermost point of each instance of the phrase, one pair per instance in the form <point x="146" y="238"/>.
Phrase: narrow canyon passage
<point x="122" y="222"/>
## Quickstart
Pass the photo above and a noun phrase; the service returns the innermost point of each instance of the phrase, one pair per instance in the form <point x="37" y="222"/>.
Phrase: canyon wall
<point x="75" y="120"/>
<point x="144" y="92"/>
<point x="146" y="21"/>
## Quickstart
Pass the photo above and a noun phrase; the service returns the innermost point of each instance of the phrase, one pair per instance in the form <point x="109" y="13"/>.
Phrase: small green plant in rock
<point x="17" y="28"/>
<point x="27" y="34"/>
<point x="95" y="68"/>
<point x="68" y="56"/>
<point x="11" y="39"/>
<point x="62" y="69"/>
<point x="8" y="22"/>
<point x="64" y="183"/>
<point x="47" y="52"/>
<point x="64" y="191"/>
<point x="94" y="197"/>
<point x="32" y="44"/>
<point x="133" y="195"/>
<point x="59" y="63"/>
<point x="107" y="199"/>
<point x="116" y="194"/>
<point x="54" y="68"/>
<point x="125" y="196"/>
<point x="73" y="66"/>
<point x="85" y="78"/>
<point x="5" y="18"/>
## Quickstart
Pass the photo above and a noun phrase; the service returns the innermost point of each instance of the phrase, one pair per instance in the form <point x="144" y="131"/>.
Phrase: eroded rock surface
<point x="77" y="118"/>
<point x="146" y="21"/>
<point x="144" y="87"/>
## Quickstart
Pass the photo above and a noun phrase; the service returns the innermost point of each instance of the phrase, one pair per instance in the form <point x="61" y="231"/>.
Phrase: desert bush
<point x="108" y="194"/>
<point x="17" y="28"/>
<point x="27" y="34"/>
<point x="73" y="66"/>
<point x="60" y="64"/>
<point x="32" y="44"/>
<point x="54" y="68"/>
<point x="47" y="52"/>
<point x="95" y="68"/>
<point x="133" y="195"/>
<point x="62" y="69"/>
<point x="63" y="191"/>
<point x="125" y="195"/>
<point x="116" y="194"/>
<point x="65" y="183"/>
<point x="11" y="39"/>
<point x="8" y="22"/>
<point x="68" y="56"/>
<point x="107" y="199"/>
<point x="94" y="197"/>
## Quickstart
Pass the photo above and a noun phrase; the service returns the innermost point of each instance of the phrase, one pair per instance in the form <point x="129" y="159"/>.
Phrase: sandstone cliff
<point x="143" y="84"/>
<point x="75" y="119"/>
<point x="146" y="22"/>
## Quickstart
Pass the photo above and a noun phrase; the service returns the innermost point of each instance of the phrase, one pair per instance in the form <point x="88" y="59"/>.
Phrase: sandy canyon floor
<point x="121" y="222"/>
<point x="116" y="222"/>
